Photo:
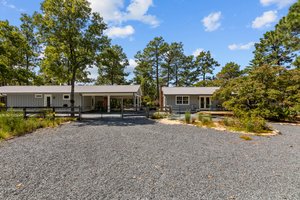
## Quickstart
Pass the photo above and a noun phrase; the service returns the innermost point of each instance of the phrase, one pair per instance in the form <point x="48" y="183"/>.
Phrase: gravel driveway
<point x="140" y="159"/>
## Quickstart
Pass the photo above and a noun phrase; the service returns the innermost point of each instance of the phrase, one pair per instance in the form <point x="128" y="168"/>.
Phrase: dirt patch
<point x="217" y="126"/>
<point x="168" y="121"/>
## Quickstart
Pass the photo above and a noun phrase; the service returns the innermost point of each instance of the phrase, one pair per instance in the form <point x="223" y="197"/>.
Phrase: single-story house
<point x="90" y="98"/>
<point x="181" y="99"/>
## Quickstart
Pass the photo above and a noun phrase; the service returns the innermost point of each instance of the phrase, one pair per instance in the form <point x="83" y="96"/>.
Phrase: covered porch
<point x="110" y="103"/>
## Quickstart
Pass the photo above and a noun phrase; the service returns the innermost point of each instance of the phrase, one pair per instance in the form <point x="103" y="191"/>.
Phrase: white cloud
<point x="115" y="11"/>
<point x="110" y="10"/>
<point x="265" y="20"/>
<point x="241" y="46"/>
<point x="9" y="5"/>
<point x="93" y="72"/>
<point x="197" y="52"/>
<point x="137" y="10"/>
<point x="279" y="3"/>
<point x="120" y="32"/>
<point x="212" y="21"/>
<point x="132" y="65"/>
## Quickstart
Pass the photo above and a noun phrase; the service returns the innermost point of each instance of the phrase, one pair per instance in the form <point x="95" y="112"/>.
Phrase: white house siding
<point x="170" y="100"/>
<point x="29" y="100"/>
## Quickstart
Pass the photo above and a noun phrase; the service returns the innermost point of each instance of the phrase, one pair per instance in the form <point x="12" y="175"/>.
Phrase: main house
<point x="195" y="99"/>
<point x="107" y="98"/>
<point x="104" y="98"/>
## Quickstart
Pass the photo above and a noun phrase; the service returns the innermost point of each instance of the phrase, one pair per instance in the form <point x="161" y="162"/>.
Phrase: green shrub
<point x="247" y="123"/>
<point x="187" y="117"/>
<point x="254" y="124"/>
<point x="230" y="122"/>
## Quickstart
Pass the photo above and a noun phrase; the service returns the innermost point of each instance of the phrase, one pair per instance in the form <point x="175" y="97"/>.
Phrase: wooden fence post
<point x="24" y="113"/>
<point x="148" y="112"/>
<point x="79" y="117"/>
<point x="53" y="113"/>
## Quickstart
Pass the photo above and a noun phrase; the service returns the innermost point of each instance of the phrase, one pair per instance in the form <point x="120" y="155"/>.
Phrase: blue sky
<point x="226" y="28"/>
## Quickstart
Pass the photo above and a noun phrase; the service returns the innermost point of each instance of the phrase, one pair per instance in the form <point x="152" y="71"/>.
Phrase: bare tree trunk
<point x="72" y="99"/>
<point x="157" y="77"/>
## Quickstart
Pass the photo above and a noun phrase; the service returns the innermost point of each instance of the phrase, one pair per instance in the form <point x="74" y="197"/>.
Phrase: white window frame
<point x="182" y="104"/>
<point x="205" y="103"/>
<point x="38" y="96"/>
<point x="66" y="99"/>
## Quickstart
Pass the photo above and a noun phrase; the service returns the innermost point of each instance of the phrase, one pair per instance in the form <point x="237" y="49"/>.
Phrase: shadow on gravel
<point x="133" y="121"/>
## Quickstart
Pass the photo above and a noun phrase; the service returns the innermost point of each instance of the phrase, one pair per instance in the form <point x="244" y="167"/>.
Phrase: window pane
<point x="185" y="100"/>
<point x="207" y="102"/>
<point x="202" y="102"/>
<point x="179" y="100"/>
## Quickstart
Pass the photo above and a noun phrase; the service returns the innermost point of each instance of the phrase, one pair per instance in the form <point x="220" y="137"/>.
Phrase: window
<point x="38" y="96"/>
<point x="207" y="101"/>
<point x="182" y="100"/>
<point x="66" y="97"/>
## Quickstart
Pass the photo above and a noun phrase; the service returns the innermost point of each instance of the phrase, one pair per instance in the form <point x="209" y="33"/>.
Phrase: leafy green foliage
<point x="230" y="71"/>
<point x="111" y="66"/>
<point x="13" y="50"/>
<point x="72" y="36"/>
<point x="148" y="71"/>
<point x="13" y="124"/>
<point x="249" y="124"/>
<point x="269" y="92"/>
<point x="281" y="46"/>
<point x="205" y="65"/>
<point x="271" y="87"/>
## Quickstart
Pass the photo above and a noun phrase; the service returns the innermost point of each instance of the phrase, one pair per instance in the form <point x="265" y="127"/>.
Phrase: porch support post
<point x="140" y="101"/>
<point x="82" y="102"/>
<point x="134" y="101"/>
<point x="108" y="103"/>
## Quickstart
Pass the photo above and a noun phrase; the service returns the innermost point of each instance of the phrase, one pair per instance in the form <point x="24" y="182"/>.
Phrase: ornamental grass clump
<point x="187" y="117"/>
<point x="206" y="120"/>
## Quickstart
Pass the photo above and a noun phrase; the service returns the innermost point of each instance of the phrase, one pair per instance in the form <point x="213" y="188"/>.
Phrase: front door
<point x="48" y="100"/>
<point x="204" y="103"/>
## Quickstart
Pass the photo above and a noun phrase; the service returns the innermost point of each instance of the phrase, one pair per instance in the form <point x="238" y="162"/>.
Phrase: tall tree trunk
<point x="168" y="76"/>
<point x="72" y="99"/>
<point x="176" y="75"/>
<point x="157" y="77"/>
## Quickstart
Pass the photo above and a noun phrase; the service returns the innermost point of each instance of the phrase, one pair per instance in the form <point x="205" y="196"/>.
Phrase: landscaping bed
<point x="246" y="126"/>
<point x="13" y="124"/>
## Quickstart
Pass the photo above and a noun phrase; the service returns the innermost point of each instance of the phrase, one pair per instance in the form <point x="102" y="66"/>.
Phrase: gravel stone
<point x="139" y="159"/>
